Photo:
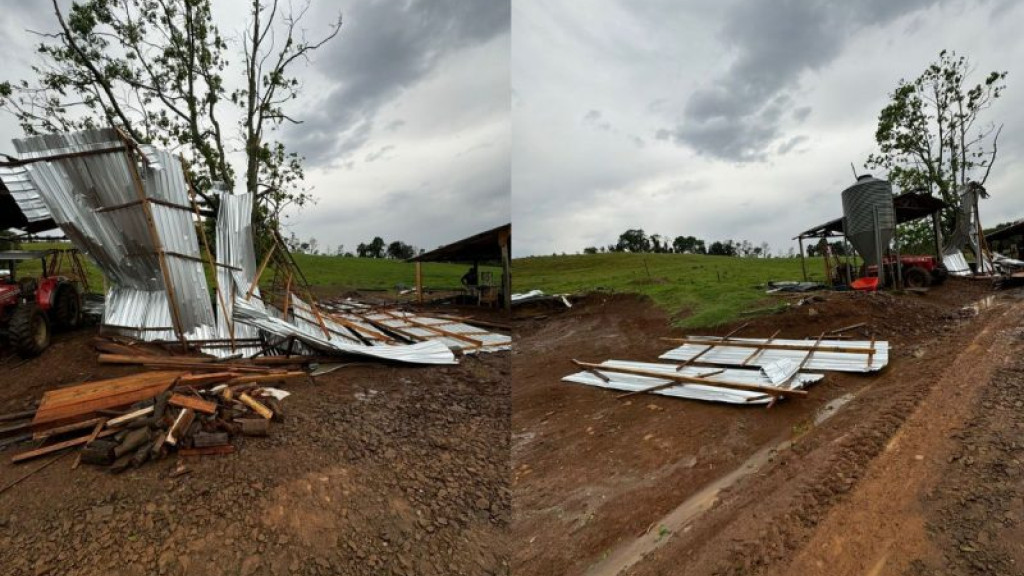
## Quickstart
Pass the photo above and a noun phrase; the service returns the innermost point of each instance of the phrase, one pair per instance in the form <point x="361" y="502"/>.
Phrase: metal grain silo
<point x="869" y="217"/>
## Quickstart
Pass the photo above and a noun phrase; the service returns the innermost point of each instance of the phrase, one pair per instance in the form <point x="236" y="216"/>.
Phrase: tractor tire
<point x="917" y="277"/>
<point x="66" y="312"/>
<point x="29" y="330"/>
<point x="939" y="275"/>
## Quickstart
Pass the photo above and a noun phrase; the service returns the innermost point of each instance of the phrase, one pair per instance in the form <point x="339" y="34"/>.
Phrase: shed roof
<point x="482" y="247"/>
<point x="909" y="206"/>
<point x="1016" y="229"/>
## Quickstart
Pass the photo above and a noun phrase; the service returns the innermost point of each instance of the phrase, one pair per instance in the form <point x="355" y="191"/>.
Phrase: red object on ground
<point x="869" y="284"/>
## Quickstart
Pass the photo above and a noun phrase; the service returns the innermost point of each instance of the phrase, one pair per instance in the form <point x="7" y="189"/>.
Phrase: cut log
<point x="207" y="451"/>
<point x="207" y="439"/>
<point x="256" y="406"/>
<point x="254" y="426"/>
<point x="180" y="426"/>
<point x="133" y="441"/>
<point x="98" y="453"/>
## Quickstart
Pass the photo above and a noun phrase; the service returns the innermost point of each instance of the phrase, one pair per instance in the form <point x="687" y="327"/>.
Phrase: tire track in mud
<point x="975" y="515"/>
<point x="771" y="518"/>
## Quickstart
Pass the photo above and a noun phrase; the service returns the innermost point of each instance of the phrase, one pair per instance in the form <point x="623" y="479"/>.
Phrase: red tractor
<point x="30" y="307"/>
<point x="917" y="271"/>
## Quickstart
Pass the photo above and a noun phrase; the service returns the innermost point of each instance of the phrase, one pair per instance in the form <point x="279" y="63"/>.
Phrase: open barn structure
<point x="492" y="247"/>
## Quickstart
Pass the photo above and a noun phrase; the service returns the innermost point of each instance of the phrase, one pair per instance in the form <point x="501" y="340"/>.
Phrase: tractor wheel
<point x="67" y="308"/>
<point x="29" y="330"/>
<point x="939" y="275"/>
<point x="917" y="277"/>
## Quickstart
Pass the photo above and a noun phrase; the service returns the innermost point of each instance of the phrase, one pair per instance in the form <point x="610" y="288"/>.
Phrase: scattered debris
<point x="755" y="370"/>
<point x="792" y="286"/>
<point x="822" y="354"/>
<point x="733" y="385"/>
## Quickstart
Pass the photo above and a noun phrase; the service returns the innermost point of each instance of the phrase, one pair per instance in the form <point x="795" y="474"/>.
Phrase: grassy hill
<point x="332" y="272"/>
<point x="695" y="290"/>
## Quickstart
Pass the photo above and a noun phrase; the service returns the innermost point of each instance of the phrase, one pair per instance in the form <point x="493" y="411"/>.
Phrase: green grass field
<point x="373" y="274"/>
<point x="330" y="272"/>
<point x="697" y="291"/>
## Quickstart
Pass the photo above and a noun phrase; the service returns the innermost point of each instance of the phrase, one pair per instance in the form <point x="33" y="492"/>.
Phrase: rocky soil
<point x="376" y="470"/>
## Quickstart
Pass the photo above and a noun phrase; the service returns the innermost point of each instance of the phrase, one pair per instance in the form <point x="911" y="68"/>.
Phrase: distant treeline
<point x="376" y="248"/>
<point x="635" y="240"/>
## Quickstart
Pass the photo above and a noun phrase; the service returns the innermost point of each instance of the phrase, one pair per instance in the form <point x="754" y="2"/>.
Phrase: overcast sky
<point x="727" y="119"/>
<point x="406" y="126"/>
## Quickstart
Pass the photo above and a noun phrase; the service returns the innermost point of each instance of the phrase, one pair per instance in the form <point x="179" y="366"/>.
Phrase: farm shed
<point x="909" y="206"/>
<point x="491" y="247"/>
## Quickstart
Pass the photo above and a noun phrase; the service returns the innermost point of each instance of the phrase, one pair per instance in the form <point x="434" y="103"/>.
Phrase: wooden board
<point x="58" y="446"/>
<point x="80" y="402"/>
<point x="197" y="404"/>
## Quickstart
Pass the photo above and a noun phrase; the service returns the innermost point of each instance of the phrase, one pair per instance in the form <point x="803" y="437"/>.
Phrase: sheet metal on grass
<point x="745" y="351"/>
<point x="635" y="383"/>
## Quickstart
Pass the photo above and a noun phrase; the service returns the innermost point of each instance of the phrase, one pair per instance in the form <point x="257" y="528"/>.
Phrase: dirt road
<point x="376" y="470"/>
<point x="819" y="485"/>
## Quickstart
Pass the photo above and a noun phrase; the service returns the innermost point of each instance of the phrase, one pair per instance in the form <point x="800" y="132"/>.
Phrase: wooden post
<point x="263" y="266"/>
<point x="287" y="295"/>
<point x="505" y="242"/>
<point x="803" y="265"/>
<point x="147" y="210"/>
<point x="419" y="282"/>
<point x="937" y="228"/>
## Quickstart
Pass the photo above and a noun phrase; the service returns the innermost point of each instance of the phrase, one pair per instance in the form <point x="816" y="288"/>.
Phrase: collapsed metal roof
<point x="128" y="207"/>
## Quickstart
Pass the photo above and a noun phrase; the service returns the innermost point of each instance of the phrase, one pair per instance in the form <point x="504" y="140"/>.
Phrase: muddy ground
<point x="867" y="475"/>
<point x="377" y="469"/>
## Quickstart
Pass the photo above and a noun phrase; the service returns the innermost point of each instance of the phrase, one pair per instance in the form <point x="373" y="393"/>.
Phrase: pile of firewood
<point x="189" y="405"/>
<point x="191" y="425"/>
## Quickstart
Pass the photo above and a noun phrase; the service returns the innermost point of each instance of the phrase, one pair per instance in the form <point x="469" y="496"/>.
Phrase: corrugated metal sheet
<point x="235" y="249"/>
<point x="95" y="201"/>
<point x="24" y="193"/>
<point x="956" y="264"/>
<point x="248" y="312"/>
<point x="633" y="383"/>
<point x="418" y="327"/>
<point x="725" y="355"/>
